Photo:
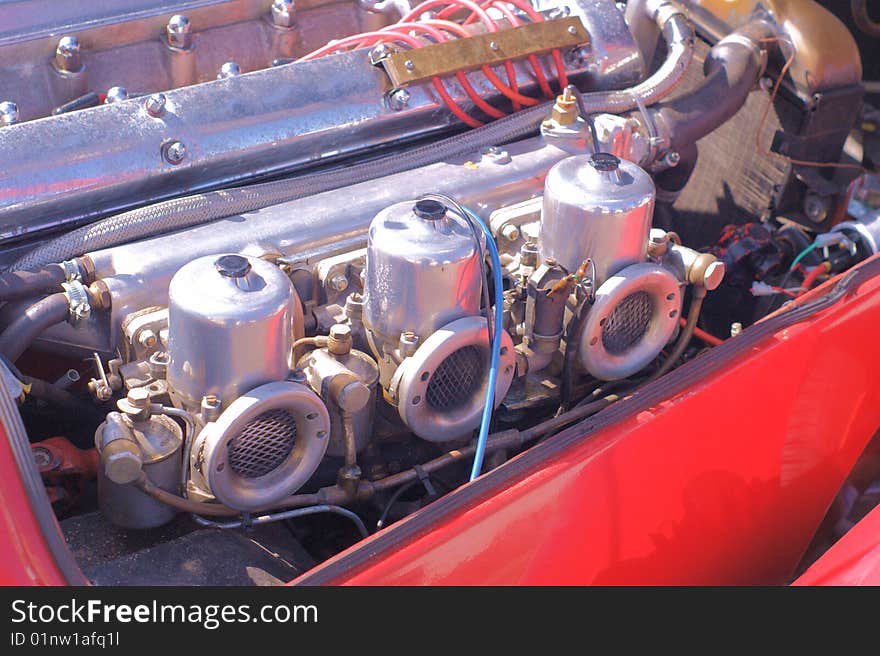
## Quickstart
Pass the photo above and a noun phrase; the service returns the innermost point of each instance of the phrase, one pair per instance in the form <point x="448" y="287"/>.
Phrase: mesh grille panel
<point x="628" y="323"/>
<point x="456" y="379"/>
<point x="263" y="444"/>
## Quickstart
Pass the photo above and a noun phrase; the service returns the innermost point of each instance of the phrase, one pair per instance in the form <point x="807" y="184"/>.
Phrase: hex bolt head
<point x="284" y="13"/>
<point x="8" y="113"/>
<point x="139" y="397"/>
<point x="155" y="104"/>
<point x="339" y="340"/>
<point x="510" y="232"/>
<point x="529" y="254"/>
<point x="672" y="159"/>
<point x="339" y="282"/>
<point x="178" y="31"/>
<point x="380" y="52"/>
<point x="68" y="58"/>
<point x="147" y="338"/>
<point x="136" y="404"/>
<point x="115" y="95"/>
<point x="175" y="152"/>
<point x="228" y="70"/>
<point x="398" y="99"/>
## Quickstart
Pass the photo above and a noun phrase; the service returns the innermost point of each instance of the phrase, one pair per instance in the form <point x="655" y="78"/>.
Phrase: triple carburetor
<point x="263" y="404"/>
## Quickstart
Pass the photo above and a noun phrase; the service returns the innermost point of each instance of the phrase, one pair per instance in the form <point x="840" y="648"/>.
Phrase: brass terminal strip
<point x="408" y="67"/>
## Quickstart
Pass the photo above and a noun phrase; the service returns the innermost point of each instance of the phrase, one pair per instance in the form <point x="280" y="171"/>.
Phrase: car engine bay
<point x="279" y="274"/>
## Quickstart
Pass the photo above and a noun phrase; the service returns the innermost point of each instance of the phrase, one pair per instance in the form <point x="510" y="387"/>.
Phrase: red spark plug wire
<point x="367" y="39"/>
<point x="514" y="21"/>
<point x="439" y="36"/>
<point x="453" y="6"/>
<point x="438" y="29"/>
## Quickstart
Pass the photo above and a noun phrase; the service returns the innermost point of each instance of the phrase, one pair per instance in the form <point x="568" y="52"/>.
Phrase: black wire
<point x="401" y="490"/>
<point x="573" y="335"/>
<point x="579" y="97"/>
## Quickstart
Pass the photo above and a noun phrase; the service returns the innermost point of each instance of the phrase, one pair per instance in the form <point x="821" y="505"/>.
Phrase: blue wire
<point x="489" y="406"/>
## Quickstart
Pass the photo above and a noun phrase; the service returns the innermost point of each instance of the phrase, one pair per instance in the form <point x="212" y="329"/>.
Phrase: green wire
<point x="802" y="255"/>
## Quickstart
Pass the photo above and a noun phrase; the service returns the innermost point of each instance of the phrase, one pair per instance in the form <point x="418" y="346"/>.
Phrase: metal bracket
<point x="408" y="67"/>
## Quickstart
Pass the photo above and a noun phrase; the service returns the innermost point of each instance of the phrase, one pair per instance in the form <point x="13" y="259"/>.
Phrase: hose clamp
<point x="71" y="270"/>
<point x="78" y="300"/>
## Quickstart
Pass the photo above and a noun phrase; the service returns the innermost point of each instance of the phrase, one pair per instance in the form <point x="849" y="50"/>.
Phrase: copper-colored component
<point x="566" y="285"/>
<point x="65" y="469"/>
<point x="827" y="54"/>
<point x="565" y="111"/>
<point x="441" y="59"/>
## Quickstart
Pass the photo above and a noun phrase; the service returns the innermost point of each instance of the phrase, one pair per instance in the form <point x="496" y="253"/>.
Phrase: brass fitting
<point x="339" y="341"/>
<point x="565" y="111"/>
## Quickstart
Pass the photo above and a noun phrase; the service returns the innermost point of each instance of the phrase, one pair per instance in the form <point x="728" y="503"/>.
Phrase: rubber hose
<point x="863" y="20"/>
<point x="574" y="333"/>
<point x="22" y="332"/>
<point x="15" y="285"/>
<point x="46" y="391"/>
<point x="732" y="69"/>
<point x="686" y="336"/>
<point x="189" y="211"/>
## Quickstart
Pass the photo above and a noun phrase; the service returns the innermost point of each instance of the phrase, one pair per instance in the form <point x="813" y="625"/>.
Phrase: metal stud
<point x="398" y="99"/>
<point x="229" y="69"/>
<point x="115" y="95"/>
<point x="8" y="113"/>
<point x="284" y="13"/>
<point x="155" y="104"/>
<point x="179" y="32"/>
<point x="68" y="58"/>
<point x="175" y="152"/>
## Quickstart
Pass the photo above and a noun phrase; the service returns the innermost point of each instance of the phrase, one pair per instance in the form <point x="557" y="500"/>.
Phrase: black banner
<point x="59" y="620"/>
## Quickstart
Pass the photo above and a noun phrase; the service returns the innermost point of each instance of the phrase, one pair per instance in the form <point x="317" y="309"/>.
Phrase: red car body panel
<point x="25" y="558"/>
<point x="853" y="560"/>
<point x="723" y="481"/>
